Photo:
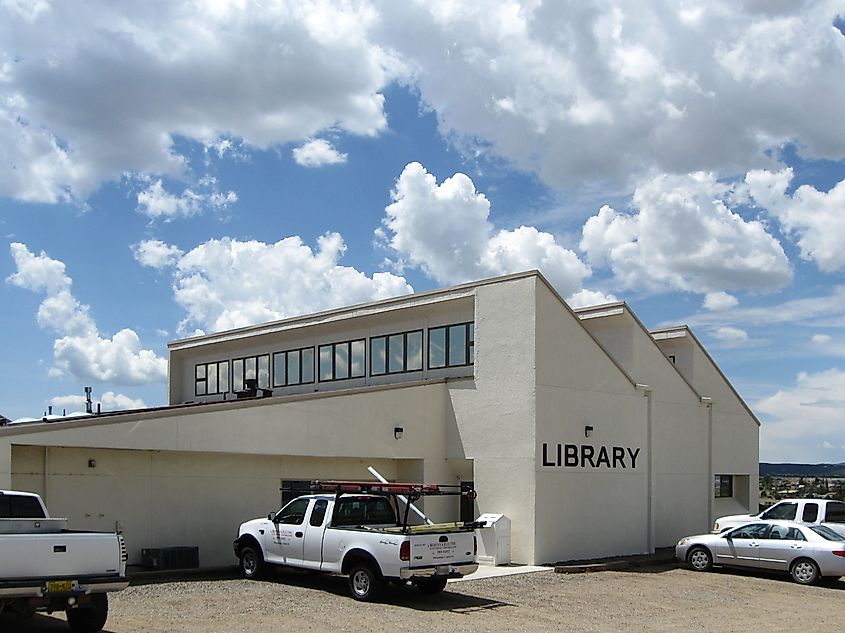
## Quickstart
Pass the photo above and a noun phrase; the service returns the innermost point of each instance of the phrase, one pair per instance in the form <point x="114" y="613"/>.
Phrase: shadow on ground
<point x="11" y="623"/>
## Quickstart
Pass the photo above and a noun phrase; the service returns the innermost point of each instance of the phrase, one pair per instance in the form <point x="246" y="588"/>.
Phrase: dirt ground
<point x="645" y="599"/>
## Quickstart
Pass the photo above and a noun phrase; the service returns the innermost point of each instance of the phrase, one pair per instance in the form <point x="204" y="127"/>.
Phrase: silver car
<point x="807" y="552"/>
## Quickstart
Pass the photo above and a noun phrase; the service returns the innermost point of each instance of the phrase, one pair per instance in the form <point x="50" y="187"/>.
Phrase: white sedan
<point x="807" y="552"/>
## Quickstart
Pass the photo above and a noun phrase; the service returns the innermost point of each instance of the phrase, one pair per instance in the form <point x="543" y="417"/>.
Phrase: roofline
<point x="586" y="331"/>
<point x="128" y="415"/>
<point x="626" y="309"/>
<point x="315" y="318"/>
<point x="688" y="332"/>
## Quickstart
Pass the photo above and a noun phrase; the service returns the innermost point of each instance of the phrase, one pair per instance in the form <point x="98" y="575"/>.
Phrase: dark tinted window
<point x="835" y="512"/>
<point x="364" y="511"/>
<point x="811" y="512"/>
<point x="782" y="511"/>
<point x="20" y="507"/>
<point x="293" y="513"/>
<point x="318" y="513"/>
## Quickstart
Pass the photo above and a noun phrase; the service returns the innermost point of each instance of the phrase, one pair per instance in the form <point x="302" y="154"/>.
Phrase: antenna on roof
<point x="88" y="400"/>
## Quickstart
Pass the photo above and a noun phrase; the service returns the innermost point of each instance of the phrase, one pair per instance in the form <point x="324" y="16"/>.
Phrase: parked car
<point x="807" y="552"/>
<point x="357" y="529"/>
<point x="798" y="510"/>
<point x="46" y="567"/>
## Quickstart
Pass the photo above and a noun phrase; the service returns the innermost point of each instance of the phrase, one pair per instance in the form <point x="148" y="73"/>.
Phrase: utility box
<point x="494" y="539"/>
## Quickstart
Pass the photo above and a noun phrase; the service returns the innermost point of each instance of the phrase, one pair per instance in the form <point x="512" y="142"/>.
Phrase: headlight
<point x="716" y="526"/>
<point x="683" y="541"/>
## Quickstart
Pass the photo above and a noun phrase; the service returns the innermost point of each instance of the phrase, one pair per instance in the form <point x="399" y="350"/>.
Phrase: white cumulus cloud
<point x="682" y="234"/>
<point x="815" y="217"/>
<point x="157" y="203"/>
<point x="97" y="89"/>
<point x="81" y="350"/>
<point x="156" y="254"/>
<point x="730" y="336"/>
<point x="316" y="153"/>
<point x="445" y="231"/>
<point x="229" y="283"/>
<point x="720" y="301"/>
<point x="595" y="91"/>
<point x="804" y="418"/>
<point x="109" y="401"/>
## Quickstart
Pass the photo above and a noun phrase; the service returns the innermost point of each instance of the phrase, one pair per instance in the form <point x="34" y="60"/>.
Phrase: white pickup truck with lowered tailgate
<point x="46" y="567"/>
<point x="354" y="528"/>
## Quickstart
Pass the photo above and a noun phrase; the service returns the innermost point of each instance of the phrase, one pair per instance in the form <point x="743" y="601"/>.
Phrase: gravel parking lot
<point x="646" y="599"/>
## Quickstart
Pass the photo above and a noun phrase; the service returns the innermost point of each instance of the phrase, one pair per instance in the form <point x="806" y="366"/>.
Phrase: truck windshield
<point x="364" y="511"/>
<point x="782" y="511"/>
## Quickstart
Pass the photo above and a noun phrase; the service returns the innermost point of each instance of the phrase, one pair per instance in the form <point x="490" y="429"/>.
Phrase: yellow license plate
<point x="59" y="586"/>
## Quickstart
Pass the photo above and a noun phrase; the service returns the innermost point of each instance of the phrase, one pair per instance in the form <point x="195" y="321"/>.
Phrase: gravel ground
<point x="645" y="599"/>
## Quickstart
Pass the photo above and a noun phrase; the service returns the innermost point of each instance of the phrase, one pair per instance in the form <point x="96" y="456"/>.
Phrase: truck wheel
<point x="252" y="563"/>
<point x="432" y="585"/>
<point x="364" y="583"/>
<point x="89" y="618"/>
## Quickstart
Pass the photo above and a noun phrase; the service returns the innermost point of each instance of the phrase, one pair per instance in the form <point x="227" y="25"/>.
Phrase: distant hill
<point x="802" y="470"/>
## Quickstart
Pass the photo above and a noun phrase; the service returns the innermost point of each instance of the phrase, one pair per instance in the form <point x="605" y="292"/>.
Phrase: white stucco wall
<point x="585" y="511"/>
<point x="735" y="431"/>
<point x="681" y="480"/>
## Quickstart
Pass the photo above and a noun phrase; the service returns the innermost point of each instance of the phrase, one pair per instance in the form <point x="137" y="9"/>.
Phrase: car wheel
<point x="700" y="559"/>
<point x="432" y="585"/>
<point x="805" y="572"/>
<point x="91" y="617"/>
<point x="364" y="582"/>
<point x="252" y="563"/>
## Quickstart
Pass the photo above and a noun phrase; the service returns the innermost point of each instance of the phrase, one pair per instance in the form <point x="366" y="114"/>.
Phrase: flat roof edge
<point x="316" y="318"/>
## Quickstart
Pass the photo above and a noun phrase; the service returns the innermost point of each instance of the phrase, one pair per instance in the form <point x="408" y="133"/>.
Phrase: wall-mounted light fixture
<point x="92" y="463"/>
<point x="398" y="432"/>
<point x="588" y="431"/>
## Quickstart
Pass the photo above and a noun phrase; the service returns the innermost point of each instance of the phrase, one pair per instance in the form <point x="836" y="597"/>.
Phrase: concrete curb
<point x="662" y="557"/>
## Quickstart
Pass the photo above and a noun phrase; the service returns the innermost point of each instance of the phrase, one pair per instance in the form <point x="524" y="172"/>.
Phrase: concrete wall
<point x="681" y="484"/>
<point x="494" y="414"/>
<point x="192" y="478"/>
<point x="735" y="431"/>
<point x="585" y="511"/>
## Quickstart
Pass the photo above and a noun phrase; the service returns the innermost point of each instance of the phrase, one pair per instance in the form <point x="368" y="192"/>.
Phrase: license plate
<point x="59" y="586"/>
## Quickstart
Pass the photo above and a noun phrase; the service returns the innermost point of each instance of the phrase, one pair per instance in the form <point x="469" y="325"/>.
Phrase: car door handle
<point x="796" y="546"/>
<point x="753" y="545"/>
<point x="298" y="535"/>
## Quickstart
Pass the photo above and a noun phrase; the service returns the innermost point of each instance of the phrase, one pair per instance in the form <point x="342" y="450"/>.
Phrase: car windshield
<point x="827" y="533"/>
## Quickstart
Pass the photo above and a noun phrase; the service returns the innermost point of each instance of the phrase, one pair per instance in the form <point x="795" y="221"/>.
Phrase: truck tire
<point x="432" y="585"/>
<point x="252" y="563"/>
<point x="365" y="583"/>
<point x="89" y="618"/>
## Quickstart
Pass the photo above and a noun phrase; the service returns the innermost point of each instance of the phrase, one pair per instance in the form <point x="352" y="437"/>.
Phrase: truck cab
<point x="812" y="511"/>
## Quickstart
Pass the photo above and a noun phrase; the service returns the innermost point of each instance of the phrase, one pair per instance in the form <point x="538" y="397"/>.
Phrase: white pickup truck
<point x="798" y="510"/>
<point x="46" y="567"/>
<point x="354" y="528"/>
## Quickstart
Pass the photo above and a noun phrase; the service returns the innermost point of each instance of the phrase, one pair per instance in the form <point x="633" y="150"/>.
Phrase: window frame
<point x="386" y="339"/>
<point x="285" y="353"/>
<point x="243" y="360"/>
<point x="197" y="381"/>
<point x="349" y="357"/>
<point x="469" y="345"/>
<point x="719" y="486"/>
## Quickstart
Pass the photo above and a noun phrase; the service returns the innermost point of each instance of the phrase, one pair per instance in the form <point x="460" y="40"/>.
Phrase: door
<point x="286" y="535"/>
<point x="742" y="546"/>
<point x="781" y="547"/>
<point x="313" y="546"/>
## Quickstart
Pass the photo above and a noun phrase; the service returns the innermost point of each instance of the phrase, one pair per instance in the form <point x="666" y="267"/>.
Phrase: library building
<point x="593" y="435"/>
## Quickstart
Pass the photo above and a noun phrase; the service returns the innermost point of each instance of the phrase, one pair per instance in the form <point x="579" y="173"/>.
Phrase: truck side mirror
<point x="271" y="516"/>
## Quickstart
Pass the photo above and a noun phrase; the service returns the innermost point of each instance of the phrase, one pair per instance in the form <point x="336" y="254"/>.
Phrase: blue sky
<point x="170" y="168"/>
